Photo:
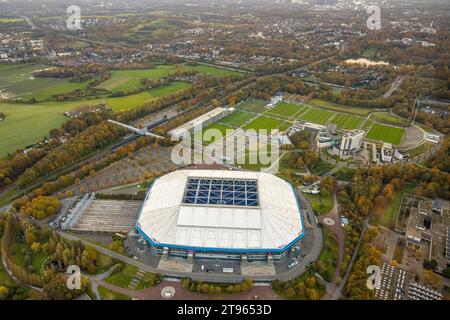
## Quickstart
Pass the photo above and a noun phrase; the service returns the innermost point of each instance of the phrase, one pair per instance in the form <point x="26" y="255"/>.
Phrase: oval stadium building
<point x="221" y="214"/>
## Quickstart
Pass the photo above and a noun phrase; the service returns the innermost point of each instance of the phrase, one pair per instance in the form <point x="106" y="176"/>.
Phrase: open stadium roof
<point x="221" y="210"/>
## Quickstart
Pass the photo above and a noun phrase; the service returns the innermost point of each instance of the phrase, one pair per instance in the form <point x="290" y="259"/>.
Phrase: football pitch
<point x="345" y="121"/>
<point x="267" y="123"/>
<point x="318" y="116"/>
<point x="385" y="133"/>
<point x="287" y="110"/>
<point x="252" y="105"/>
<point x="236" y="118"/>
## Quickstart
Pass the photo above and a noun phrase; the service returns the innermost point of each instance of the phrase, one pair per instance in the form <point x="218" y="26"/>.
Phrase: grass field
<point x="17" y="81"/>
<point x="288" y="110"/>
<point x="387" y="217"/>
<point x="130" y="79"/>
<point x="37" y="258"/>
<point x="123" y="278"/>
<point x="328" y="256"/>
<point x="424" y="147"/>
<point x="236" y="118"/>
<point x="26" y="124"/>
<point x="388" y="118"/>
<point x="267" y="123"/>
<point x="107" y="294"/>
<point x="386" y="133"/>
<point x="369" y="52"/>
<point x="253" y="105"/>
<point x="320" y="204"/>
<point x="339" y="107"/>
<point x="345" y="121"/>
<point x="138" y="99"/>
<point x="318" y="116"/>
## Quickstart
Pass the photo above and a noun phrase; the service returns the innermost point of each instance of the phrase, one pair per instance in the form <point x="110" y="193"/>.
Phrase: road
<point x="394" y="86"/>
<point x="312" y="256"/>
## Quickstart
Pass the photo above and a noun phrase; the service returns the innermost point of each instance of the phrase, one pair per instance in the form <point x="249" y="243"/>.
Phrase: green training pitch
<point x="317" y="116"/>
<point x="386" y="133"/>
<point x="345" y="121"/>
<point x="253" y="105"/>
<point x="287" y="110"/>
<point x="224" y="131"/>
<point x="267" y="123"/>
<point x="236" y="118"/>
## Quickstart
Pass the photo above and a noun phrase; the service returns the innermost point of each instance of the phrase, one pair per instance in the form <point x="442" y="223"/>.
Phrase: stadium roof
<point x="220" y="209"/>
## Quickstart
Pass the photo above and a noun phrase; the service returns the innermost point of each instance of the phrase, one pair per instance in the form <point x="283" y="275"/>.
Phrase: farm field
<point x="138" y="99"/>
<point x="345" y="121"/>
<point x="26" y="124"/>
<point x="339" y="107"/>
<point x="318" y="116"/>
<point x="385" y="133"/>
<point x="252" y="105"/>
<point x="288" y="110"/>
<point x="267" y="123"/>
<point x="236" y="118"/>
<point x="128" y="80"/>
<point x="18" y="82"/>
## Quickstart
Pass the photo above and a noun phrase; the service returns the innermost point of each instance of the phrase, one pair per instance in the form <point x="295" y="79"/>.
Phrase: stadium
<point x="221" y="214"/>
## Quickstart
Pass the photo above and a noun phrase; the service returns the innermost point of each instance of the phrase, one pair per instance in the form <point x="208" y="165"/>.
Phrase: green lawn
<point x="386" y="133"/>
<point x="320" y="204"/>
<point x="267" y="123"/>
<point x="388" y="118"/>
<point x="148" y="280"/>
<point x="369" y="52"/>
<point x="107" y="294"/>
<point x="328" y="257"/>
<point x="236" y="118"/>
<point x="253" y="105"/>
<point x="37" y="258"/>
<point x="5" y="280"/>
<point x="424" y="147"/>
<point x="388" y="216"/>
<point x="123" y="278"/>
<point x="318" y="116"/>
<point x="345" y="121"/>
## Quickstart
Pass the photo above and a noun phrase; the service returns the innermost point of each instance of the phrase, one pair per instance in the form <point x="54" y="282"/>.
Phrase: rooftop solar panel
<point x="228" y="192"/>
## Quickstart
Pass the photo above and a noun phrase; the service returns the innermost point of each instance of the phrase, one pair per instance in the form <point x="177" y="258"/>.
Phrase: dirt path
<point x="154" y="293"/>
<point x="339" y="232"/>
